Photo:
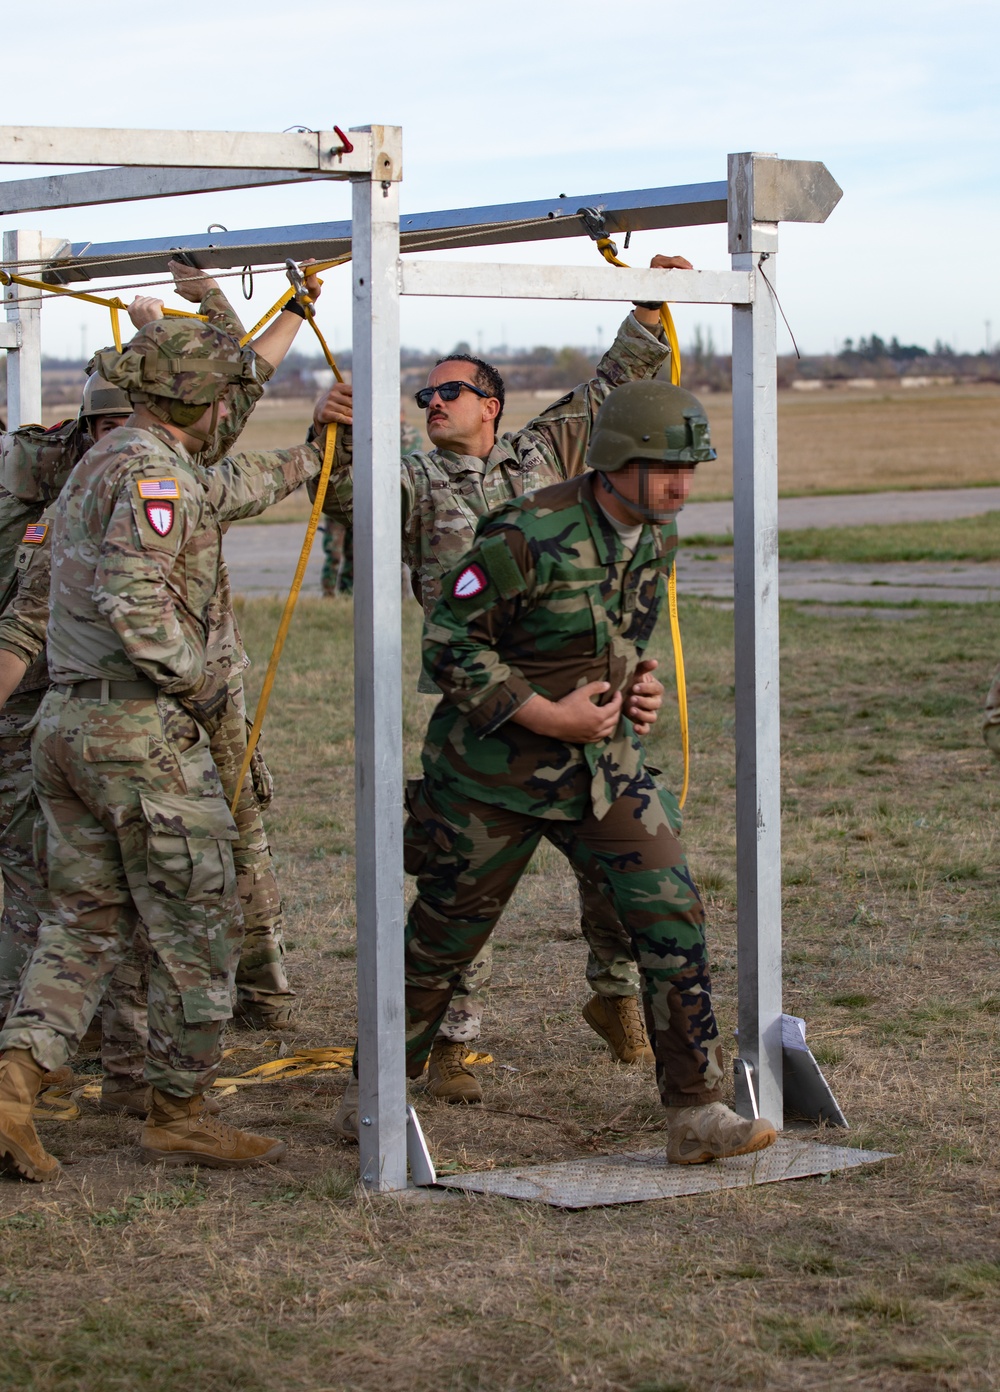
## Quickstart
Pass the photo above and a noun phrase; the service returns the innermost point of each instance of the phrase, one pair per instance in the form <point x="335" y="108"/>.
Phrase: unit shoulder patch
<point x="35" y="533"/>
<point x="159" y="488"/>
<point x="471" y="581"/>
<point x="160" y="517"/>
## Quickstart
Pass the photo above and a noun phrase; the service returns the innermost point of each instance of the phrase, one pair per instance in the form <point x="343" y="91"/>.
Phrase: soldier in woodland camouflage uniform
<point x="533" y="644"/>
<point x="136" y="823"/>
<point x="471" y="471"/>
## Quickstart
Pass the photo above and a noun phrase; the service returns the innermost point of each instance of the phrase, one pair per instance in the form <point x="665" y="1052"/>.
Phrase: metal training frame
<point x="760" y="191"/>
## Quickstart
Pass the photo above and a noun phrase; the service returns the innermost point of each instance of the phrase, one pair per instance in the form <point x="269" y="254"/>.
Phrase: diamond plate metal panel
<point x="639" y="1175"/>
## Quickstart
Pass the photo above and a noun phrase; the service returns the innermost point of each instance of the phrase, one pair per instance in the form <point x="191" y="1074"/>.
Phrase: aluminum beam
<point x="124" y="185"/>
<point x="758" y="726"/>
<point x="489" y="281"/>
<point x="378" y="657"/>
<point x="319" y="151"/>
<point x="24" y="324"/>
<point x="636" y="210"/>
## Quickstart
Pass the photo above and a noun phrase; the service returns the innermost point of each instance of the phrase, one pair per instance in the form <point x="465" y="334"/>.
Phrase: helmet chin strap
<point x="642" y="507"/>
<point x="207" y="437"/>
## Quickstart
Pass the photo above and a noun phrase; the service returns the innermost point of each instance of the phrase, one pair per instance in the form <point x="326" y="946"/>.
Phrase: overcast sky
<point x="515" y="101"/>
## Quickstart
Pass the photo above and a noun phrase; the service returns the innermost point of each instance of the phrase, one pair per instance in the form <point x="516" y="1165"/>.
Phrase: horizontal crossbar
<point x="319" y="151"/>
<point x="635" y="210"/>
<point x="123" y="185"/>
<point x="516" y="282"/>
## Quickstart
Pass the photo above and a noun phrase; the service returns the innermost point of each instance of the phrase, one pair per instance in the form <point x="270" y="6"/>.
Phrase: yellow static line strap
<point x="289" y="610"/>
<point x="669" y="328"/>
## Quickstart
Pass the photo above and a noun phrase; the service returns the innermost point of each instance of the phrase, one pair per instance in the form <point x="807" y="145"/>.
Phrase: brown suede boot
<point x="447" y="1076"/>
<point x="179" y="1131"/>
<point x="696" y="1135"/>
<point x="618" y="1020"/>
<point x="20" y="1081"/>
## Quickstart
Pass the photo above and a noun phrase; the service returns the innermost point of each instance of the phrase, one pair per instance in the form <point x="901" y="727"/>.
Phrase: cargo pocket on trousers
<point x="188" y="846"/>
<point x="424" y="829"/>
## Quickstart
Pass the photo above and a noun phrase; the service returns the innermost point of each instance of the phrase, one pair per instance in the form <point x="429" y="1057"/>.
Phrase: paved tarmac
<point x="262" y="558"/>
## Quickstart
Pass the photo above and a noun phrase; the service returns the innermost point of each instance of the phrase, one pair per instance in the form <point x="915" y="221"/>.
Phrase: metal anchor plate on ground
<point x="637" y="1176"/>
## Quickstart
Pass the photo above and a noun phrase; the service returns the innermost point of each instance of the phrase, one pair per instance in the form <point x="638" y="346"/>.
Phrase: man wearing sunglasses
<point x="471" y="470"/>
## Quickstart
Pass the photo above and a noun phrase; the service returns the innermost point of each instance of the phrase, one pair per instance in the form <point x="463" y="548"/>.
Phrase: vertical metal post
<point x="758" y="735"/>
<point x="24" y="364"/>
<point x="378" y="673"/>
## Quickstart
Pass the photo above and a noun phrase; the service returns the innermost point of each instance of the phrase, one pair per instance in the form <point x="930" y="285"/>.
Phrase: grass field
<point x="961" y="539"/>
<point x="884" y="1279"/>
<point x="829" y="442"/>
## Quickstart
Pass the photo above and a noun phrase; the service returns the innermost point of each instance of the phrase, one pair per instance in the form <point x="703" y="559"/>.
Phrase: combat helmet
<point x="652" y="423"/>
<point x="649" y="420"/>
<point x="100" y="398"/>
<point x="176" y="368"/>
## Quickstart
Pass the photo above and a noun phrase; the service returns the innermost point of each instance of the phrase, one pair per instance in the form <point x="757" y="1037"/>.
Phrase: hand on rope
<point x="114" y="305"/>
<point x="594" y="223"/>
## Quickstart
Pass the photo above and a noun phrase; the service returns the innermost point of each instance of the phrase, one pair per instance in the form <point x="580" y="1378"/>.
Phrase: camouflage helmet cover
<point x="649" y="420"/>
<point x="100" y="398"/>
<point x="185" y="362"/>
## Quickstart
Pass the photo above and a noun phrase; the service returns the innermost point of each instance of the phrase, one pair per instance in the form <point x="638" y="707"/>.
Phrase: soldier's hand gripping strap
<point x="208" y="703"/>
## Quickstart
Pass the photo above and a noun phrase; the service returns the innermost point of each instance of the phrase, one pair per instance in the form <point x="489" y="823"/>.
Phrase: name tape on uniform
<point x="159" y="488"/>
<point x="470" y="583"/>
<point x="35" y="533"/>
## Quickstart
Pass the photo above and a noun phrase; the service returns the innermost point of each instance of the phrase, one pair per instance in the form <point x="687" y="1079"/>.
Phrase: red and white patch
<point x="160" y="517"/>
<point x="471" y="582"/>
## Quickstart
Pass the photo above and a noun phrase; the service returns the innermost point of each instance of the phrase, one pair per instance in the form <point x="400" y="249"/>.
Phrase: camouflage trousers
<point x="611" y="968"/>
<point x="123" y="1046"/>
<point x="260" y="976"/>
<point x="135" y="827"/>
<point x="468" y="858"/>
<point x="991" y="718"/>
<point x="338" y="558"/>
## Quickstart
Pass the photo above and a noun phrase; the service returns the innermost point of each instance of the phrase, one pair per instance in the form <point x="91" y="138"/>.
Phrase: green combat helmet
<point x="100" y="398"/>
<point x="176" y="368"/>
<point x="652" y="423"/>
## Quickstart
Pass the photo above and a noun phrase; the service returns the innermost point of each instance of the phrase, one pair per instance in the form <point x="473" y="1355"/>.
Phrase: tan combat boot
<point x="618" y="1020"/>
<point x="179" y="1131"/>
<point x="20" y="1081"/>
<point x="123" y="1096"/>
<point x="447" y="1076"/>
<point x="277" y="1014"/>
<point x="696" y="1135"/>
<point x="345" y="1123"/>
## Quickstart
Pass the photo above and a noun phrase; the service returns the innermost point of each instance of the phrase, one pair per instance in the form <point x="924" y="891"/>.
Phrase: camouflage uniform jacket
<point x="137" y="546"/>
<point x="546" y="601"/>
<point x="444" y="494"/>
<point x="36" y="461"/>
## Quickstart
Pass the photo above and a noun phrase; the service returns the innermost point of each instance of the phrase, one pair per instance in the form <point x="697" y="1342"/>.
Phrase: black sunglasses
<point x="447" y="391"/>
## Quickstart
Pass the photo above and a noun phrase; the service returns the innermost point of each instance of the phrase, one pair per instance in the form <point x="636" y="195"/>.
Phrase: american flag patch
<point x="159" y="488"/>
<point x="35" y="533"/>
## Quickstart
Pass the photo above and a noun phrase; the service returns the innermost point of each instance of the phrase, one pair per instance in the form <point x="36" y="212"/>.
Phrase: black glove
<point x="208" y="703"/>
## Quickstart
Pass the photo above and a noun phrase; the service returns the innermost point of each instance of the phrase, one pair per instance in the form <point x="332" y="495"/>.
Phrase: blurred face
<point x="204" y="423"/>
<point x="664" y="489"/>
<point x="464" y="424"/>
<point x="103" y="425"/>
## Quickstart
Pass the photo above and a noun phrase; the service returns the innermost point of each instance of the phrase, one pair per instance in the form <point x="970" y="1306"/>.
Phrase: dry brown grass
<point x="885" y="1279"/>
<point x="843" y="441"/>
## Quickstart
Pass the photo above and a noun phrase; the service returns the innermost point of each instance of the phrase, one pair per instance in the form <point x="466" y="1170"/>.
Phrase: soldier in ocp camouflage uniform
<point x="135" y="817"/>
<point x="470" y="471"/>
<point x="35" y="466"/>
<point x="36" y="463"/>
<point x="533" y="645"/>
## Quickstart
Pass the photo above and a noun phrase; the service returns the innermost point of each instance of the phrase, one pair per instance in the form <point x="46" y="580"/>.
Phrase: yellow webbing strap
<point x="307" y="541"/>
<point x="113" y="305"/>
<point x="604" y="246"/>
